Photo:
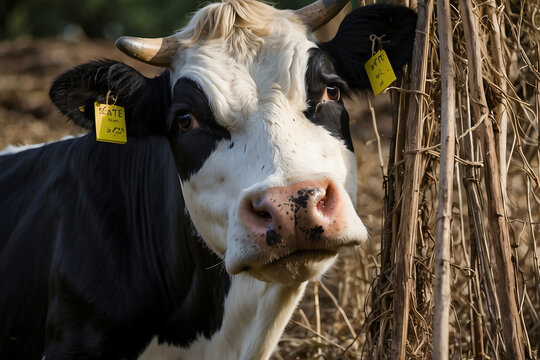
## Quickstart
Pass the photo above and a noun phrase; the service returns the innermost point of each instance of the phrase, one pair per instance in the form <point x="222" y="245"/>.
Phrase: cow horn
<point x="158" y="51"/>
<point x="320" y="12"/>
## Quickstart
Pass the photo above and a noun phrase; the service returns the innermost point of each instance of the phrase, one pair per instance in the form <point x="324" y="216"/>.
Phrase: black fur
<point x="192" y="148"/>
<point x="331" y="115"/>
<point x="75" y="91"/>
<point x="351" y="47"/>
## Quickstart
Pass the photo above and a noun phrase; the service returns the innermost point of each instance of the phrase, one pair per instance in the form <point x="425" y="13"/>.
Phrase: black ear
<point x="75" y="91"/>
<point x="145" y="100"/>
<point x="352" y="46"/>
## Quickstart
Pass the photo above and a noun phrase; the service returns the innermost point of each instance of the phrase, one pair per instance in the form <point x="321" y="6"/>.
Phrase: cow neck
<point x="255" y="316"/>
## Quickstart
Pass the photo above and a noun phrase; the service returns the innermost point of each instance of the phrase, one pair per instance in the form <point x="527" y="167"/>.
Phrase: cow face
<point x="268" y="174"/>
<point x="265" y="157"/>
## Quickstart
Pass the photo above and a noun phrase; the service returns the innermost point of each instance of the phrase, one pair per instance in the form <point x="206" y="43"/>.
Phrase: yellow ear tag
<point x="110" y="123"/>
<point x="380" y="72"/>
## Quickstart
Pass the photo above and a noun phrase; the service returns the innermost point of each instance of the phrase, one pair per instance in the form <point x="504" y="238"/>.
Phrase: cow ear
<point x="75" y="91"/>
<point x="352" y="46"/>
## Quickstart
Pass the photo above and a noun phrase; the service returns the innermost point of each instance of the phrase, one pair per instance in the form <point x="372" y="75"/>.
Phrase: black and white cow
<point x="195" y="239"/>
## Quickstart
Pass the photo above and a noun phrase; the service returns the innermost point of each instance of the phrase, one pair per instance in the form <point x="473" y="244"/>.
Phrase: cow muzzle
<point x="295" y="232"/>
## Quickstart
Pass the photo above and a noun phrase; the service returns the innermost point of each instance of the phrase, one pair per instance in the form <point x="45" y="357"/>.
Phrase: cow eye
<point x="331" y="93"/>
<point x="186" y="122"/>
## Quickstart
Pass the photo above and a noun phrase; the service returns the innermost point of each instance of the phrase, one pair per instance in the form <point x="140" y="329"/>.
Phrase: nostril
<point x="265" y="215"/>
<point x="259" y="210"/>
<point x="327" y="202"/>
<point x="255" y="216"/>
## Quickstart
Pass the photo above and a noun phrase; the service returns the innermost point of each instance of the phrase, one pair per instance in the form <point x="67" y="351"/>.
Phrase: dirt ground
<point x="28" y="67"/>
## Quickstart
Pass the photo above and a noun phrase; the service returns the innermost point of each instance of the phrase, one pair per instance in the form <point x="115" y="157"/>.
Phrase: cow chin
<point x="295" y="268"/>
<point x="290" y="264"/>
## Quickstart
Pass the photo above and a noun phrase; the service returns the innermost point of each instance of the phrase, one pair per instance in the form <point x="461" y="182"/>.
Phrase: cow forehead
<point x="267" y="72"/>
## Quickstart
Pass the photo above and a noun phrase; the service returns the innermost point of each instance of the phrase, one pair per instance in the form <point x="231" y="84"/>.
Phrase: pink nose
<point x="299" y="215"/>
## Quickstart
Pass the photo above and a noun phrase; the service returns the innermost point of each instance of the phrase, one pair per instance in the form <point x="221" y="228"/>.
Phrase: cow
<point x="237" y="185"/>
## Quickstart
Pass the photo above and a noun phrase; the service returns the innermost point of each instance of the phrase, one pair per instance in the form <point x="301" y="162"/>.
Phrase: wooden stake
<point x="500" y="77"/>
<point x="444" y="210"/>
<point x="407" y="233"/>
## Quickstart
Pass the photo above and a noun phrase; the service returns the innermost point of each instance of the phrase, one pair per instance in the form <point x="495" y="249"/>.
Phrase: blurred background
<point x="100" y="18"/>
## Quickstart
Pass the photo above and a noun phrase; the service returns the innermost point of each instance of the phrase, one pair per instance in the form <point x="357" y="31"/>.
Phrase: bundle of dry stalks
<point x="459" y="274"/>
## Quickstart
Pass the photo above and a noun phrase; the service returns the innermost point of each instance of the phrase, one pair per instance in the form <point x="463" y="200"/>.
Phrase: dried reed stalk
<point x="407" y="231"/>
<point x="480" y="258"/>
<point x="317" y="312"/>
<point x="506" y="290"/>
<point x="501" y="79"/>
<point x="481" y="282"/>
<point x="444" y="212"/>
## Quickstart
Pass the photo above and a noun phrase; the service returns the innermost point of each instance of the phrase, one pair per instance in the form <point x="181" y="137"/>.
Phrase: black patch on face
<point x="303" y="198"/>
<point x="331" y="115"/>
<point x="315" y="233"/>
<point x="192" y="148"/>
<point x="272" y="237"/>
<point x="300" y="202"/>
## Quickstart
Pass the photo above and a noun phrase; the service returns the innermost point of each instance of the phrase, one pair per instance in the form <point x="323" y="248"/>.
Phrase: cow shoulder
<point x="353" y="44"/>
<point x="146" y="100"/>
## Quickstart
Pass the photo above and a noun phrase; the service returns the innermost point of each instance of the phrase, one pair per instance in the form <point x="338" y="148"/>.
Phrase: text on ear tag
<point x="110" y="123"/>
<point x="380" y="72"/>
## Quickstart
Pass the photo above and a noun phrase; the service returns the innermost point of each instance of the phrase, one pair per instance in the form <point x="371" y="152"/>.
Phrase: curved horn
<point x="158" y="51"/>
<point x="320" y="12"/>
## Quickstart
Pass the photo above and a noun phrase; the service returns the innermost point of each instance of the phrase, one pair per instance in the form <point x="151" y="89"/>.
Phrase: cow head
<point x="258" y="128"/>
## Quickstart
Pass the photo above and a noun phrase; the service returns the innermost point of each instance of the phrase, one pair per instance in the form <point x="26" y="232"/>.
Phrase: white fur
<point x="13" y="149"/>
<point x="255" y="315"/>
